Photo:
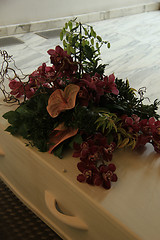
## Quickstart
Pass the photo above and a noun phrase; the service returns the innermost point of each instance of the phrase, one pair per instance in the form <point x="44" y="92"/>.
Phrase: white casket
<point x="47" y="185"/>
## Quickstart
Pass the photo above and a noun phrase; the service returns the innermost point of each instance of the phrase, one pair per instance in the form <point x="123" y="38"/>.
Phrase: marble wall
<point x="20" y="16"/>
<point x="22" y="11"/>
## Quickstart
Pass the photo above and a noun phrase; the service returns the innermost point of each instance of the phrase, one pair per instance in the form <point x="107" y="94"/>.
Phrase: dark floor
<point x="10" y="41"/>
<point x="17" y="222"/>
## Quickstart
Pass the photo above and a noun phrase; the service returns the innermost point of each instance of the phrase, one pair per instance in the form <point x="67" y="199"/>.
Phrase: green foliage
<point x="32" y="121"/>
<point x="147" y="111"/>
<point x="107" y="122"/>
<point x="125" y="138"/>
<point x="132" y="104"/>
<point x="76" y="139"/>
<point x="126" y="102"/>
<point x="111" y="126"/>
<point x="82" y="42"/>
<point x="84" y="119"/>
<point x="58" y="151"/>
<point x="12" y="116"/>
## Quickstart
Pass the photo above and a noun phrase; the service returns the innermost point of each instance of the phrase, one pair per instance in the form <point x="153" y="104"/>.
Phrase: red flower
<point x="20" y="89"/>
<point x="89" y="173"/>
<point x="155" y="128"/>
<point x="62" y="62"/>
<point x="108" y="151"/>
<point x="41" y="77"/>
<point x="93" y="87"/>
<point x="92" y="153"/>
<point x="83" y="96"/>
<point x="108" y="175"/>
<point x="95" y="83"/>
<point x="110" y="86"/>
<point x="17" y="88"/>
<point x="148" y="130"/>
<point x="102" y="175"/>
<point x="94" y="149"/>
<point x="132" y="123"/>
<point x="81" y="151"/>
<point x="142" y="140"/>
<point x="145" y="126"/>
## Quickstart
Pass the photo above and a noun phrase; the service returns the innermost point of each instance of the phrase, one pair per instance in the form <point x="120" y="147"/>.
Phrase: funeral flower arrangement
<point x="72" y="104"/>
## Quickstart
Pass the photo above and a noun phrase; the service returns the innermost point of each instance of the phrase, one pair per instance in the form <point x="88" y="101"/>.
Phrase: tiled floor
<point x="17" y="222"/>
<point x="134" y="52"/>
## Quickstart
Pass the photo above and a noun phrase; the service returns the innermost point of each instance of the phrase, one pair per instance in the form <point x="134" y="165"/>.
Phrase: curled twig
<point x="142" y="92"/>
<point x="7" y="73"/>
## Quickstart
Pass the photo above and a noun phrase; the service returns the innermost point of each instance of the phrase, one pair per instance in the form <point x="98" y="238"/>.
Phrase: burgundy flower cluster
<point x="63" y="63"/>
<point x="41" y="77"/>
<point x="148" y="130"/>
<point x="55" y="76"/>
<point x="94" y="154"/>
<point x="47" y="76"/>
<point x="102" y="175"/>
<point x="92" y="88"/>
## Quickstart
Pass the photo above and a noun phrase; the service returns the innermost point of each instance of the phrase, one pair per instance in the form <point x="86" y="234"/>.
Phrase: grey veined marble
<point x="134" y="52"/>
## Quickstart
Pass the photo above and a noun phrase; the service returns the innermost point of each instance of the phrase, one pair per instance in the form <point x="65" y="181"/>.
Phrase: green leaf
<point x="68" y="49"/>
<point x="76" y="139"/>
<point x="64" y="43"/>
<point x="103" y="128"/>
<point x="70" y="25"/>
<point x="67" y="36"/>
<point x="108" y="45"/>
<point x="127" y="83"/>
<point x="99" y="38"/>
<point x="72" y="50"/>
<point x="66" y="25"/>
<point x="134" y="143"/>
<point x="24" y="111"/>
<point x="97" y="45"/>
<point x="77" y="44"/>
<point x="61" y="35"/>
<point x="92" y="41"/>
<point x="23" y="130"/>
<point x="93" y="33"/>
<point x="124" y="143"/>
<point x="70" y="38"/>
<point x="110" y="138"/>
<point x="83" y="42"/>
<point x="74" y="40"/>
<point x="58" y="150"/>
<point x="11" y="129"/>
<point x="89" y="52"/>
<point x="122" y="131"/>
<point x="85" y="31"/>
<point x="119" y="139"/>
<point x="12" y="116"/>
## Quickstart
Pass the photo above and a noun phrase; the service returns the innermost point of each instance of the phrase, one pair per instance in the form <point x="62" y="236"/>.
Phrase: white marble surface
<point x="88" y="17"/>
<point x="134" y="52"/>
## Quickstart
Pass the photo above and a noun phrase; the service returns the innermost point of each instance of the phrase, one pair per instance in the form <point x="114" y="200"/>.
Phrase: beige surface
<point x="30" y="174"/>
<point x="133" y="201"/>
